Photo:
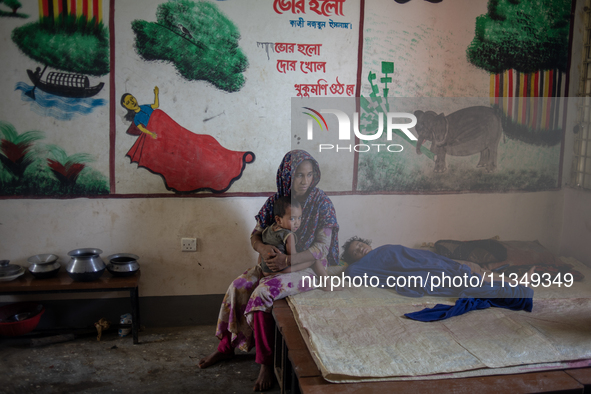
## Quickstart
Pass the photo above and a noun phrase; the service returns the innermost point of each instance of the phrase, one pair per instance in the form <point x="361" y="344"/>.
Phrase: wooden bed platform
<point x="296" y="372"/>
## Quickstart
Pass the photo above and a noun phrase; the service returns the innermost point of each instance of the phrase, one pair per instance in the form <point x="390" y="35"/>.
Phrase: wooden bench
<point x="62" y="283"/>
<point x="297" y="372"/>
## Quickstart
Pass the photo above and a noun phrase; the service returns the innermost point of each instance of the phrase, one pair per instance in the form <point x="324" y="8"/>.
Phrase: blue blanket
<point x="415" y="273"/>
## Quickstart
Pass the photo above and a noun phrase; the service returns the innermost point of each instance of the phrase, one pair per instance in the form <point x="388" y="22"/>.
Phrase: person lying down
<point x="416" y="273"/>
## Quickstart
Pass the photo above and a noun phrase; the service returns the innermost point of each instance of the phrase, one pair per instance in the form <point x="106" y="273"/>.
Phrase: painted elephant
<point x="462" y="133"/>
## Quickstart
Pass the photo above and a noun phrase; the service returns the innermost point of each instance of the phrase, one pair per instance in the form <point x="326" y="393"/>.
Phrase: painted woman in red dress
<point x="188" y="162"/>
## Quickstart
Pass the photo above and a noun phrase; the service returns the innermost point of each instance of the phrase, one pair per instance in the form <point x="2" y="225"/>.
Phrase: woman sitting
<point x="245" y="320"/>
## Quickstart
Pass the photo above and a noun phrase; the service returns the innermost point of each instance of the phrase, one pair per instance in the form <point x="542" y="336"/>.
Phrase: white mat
<point x="361" y="335"/>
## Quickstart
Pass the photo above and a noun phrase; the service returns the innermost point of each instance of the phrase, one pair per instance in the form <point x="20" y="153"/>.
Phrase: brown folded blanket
<point x="481" y="252"/>
<point x="507" y="256"/>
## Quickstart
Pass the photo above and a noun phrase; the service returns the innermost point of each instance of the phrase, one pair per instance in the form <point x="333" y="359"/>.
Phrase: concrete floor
<point x="165" y="361"/>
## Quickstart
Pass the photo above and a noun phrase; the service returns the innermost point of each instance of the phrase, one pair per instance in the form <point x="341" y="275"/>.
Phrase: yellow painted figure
<point x="187" y="161"/>
<point x="137" y="113"/>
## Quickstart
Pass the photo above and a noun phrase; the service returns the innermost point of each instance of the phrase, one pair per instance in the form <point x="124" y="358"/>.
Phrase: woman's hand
<point x="279" y="262"/>
<point x="267" y="252"/>
<point x="153" y="135"/>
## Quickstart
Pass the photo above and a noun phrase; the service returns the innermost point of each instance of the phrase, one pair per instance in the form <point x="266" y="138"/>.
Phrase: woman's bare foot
<point x="214" y="358"/>
<point x="265" y="380"/>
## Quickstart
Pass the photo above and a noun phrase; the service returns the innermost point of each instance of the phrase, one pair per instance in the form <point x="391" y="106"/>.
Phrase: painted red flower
<point x="66" y="174"/>
<point x="66" y="168"/>
<point x="15" y="148"/>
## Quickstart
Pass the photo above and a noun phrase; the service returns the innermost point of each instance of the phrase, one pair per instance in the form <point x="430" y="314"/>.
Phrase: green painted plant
<point x="14" y="5"/>
<point x="66" y="169"/>
<point x="375" y="106"/>
<point x="40" y="180"/>
<point x="29" y="168"/>
<point x="15" y="149"/>
<point x="72" y="45"/>
<point x="524" y="35"/>
<point x="198" y="39"/>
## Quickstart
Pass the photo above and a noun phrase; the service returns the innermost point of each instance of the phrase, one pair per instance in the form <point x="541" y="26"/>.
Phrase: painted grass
<point x="39" y="181"/>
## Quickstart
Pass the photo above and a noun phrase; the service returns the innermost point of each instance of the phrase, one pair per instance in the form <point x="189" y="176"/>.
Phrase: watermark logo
<point x="316" y="119"/>
<point x="344" y="131"/>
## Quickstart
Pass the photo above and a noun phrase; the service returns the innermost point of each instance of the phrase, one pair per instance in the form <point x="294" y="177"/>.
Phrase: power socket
<point x="188" y="244"/>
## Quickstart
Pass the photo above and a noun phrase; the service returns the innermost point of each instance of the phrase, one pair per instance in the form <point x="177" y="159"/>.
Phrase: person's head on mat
<point x="355" y="248"/>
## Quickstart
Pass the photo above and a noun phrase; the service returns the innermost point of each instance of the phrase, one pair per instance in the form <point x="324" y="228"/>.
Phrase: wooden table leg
<point x="135" y="313"/>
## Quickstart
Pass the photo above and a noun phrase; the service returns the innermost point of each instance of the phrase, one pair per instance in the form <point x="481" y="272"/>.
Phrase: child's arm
<point x="290" y="249"/>
<point x="290" y="242"/>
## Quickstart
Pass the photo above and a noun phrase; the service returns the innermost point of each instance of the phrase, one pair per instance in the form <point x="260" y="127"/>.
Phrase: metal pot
<point x="85" y="264"/>
<point x="8" y="270"/>
<point x="123" y="264"/>
<point x="44" y="265"/>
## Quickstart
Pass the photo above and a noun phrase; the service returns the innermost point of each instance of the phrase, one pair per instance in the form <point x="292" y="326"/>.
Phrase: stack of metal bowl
<point x="10" y="271"/>
<point x="123" y="264"/>
<point x="44" y="265"/>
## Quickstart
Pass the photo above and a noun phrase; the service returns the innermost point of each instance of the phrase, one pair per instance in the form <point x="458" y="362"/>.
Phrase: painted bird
<point x="185" y="31"/>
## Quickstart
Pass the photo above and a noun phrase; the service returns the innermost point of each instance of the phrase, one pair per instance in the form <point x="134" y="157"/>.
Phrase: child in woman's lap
<point x="288" y="216"/>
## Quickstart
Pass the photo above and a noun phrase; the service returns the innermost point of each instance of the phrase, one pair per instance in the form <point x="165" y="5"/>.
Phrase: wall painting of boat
<point x="63" y="84"/>
<point x="55" y="42"/>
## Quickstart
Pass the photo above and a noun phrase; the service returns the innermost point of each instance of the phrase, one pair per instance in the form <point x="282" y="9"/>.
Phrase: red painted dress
<point x="188" y="162"/>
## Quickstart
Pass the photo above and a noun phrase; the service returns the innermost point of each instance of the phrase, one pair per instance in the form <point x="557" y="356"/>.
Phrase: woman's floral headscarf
<point x="317" y="211"/>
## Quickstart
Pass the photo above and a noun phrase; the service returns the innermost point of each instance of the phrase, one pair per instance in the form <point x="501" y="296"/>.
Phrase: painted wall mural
<point x="187" y="162"/>
<point x="500" y="36"/>
<point x="328" y="8"/>
<point x="14" y="6"/>
<point x="468" y="131"/>
<point x="71" y="37"/>
<point x="508" y="142"/>
<point x="31" y="168"/>
<point x="227" y="71"/>
<point x="198" y="39"/>
<point x="490" y="114"/>
<point x="62" y="54"/>
<point x="202" y="45"/>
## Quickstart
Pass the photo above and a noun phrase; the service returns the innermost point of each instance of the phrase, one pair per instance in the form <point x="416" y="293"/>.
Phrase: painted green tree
<point x="525" y="35"/>
<point x="70" y="44"/>
<point x="198" y="39"/>
<point x="14" y="5"/>
<point x="524" y="45"/>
